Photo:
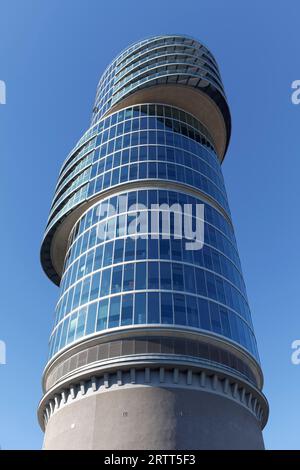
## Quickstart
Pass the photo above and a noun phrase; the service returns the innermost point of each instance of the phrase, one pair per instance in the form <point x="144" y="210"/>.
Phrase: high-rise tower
<point x="152" y="345"/>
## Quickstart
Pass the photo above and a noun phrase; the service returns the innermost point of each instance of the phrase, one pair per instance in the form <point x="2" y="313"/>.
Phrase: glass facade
<point x="143" y="278"/>
<point x="141" y="243"/>
<point x="146" y="142"/>
<point x="159" y="60"/>
<point x="146" y="155"/>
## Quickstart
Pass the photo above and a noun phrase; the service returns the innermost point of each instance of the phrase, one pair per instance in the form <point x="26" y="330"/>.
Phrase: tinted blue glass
<point x="128" y="279"/>
<point x="140" y="276"/>
<point x="153" y="277"/>
<point x="114" y="312"/>
<point x="105" y="282"/>
<point x="102" y="314"/>
<point x="203" y="273"/>
<point x="165" y="276"/>
<point x="127" y="309"/>
<point x="153" y="308"/>
<point x="204" y="316"/>
<point x="116" y="281"/>
<point x="140" y="309"/>
<point x="166" y="308"/>
<point x="91" y="319"/>
<point x="179" y="309"/>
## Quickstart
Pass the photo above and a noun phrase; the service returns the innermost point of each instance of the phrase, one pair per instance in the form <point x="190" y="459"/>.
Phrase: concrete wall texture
<point x="153" y="418"/>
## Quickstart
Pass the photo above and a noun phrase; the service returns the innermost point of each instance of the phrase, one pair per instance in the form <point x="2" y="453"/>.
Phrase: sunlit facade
<point x="138" y="311"/>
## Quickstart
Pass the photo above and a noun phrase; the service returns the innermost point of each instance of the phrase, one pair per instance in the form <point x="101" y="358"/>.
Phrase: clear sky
<point x="51" y="56"/>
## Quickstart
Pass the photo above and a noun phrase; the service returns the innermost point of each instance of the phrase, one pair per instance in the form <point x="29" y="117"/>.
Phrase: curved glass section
<point x="147" y="142"/>
<point x="170" y="59"/>
<point x="118" y="274"/>
<point x="146" y="162"/>
<point x="140" y="239"/>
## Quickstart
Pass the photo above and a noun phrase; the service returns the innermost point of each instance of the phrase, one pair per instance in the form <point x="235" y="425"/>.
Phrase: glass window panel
<point x="192" y="311"/>
<point x="84" y="242"/>
<point x="177" y="276"/>
<point x="74" y="273"/>
<point x="92" y="239"/>
<point x="125" y="157"/>
<point x="167" y="308"/>
<point x="143" y="153"/>
<point x="128" y="278"/>
<point x="72" y="328"/>
<point x="179" y="309"/>
<point x="225" y="322"/>
<point x="98" y="257"/>
<point x="161" y="153"/>
<point x="133" y="172"/>
<point x="153" y="275"/>
<point x="241" y="329"/>
<point x="211" y="286"/>
<point x="127" y="309"/>
<point x="114" y="312"/>
<point x="165" y="251"/>
<point x="151" y="153"/>
<point x="140" y="276"/>
<point x="220" y="290"/>
<point x="119" y="249"/>
<point x="81" y="266"/>
<point x="143" y="171"/>
<point x="204" y="316"/>
<point x="102" y="315"/>
<point x="215" y="317"/>
<point x="70" y="299"/>
<point x="105" y="282"/>
<point x="152" y="170"/>
<point x="200" y="282"/>
<point x="141" y="248"/>
<point x="64" y="333"/>
<point x="207" y="257"/>
<point x="176" y="249"/>
<point x="121" y="225"/>
<point x="129" y="249"/>
<point x="115" y="176"/>
<point x="91" y="318"/>
<point x="76" y="295"/>
<point x="124" y="174"/>
<point x="111" y="228"/>
<point x="116" y="282"/>
<point x="143" y="198"/>
<point x="108" y="252"/>
<point x="57" y="338"/>
<point x="165" y="276"/>
<point x="140" y="308"/>
<point x="152" y="248"/>
<point x="153" y="307"/>
<point x="189" y="278"/>
<point x="81" y="322"/>
<point x="234" y="327"/>
<point x="117" y="159"/>
<point x="85" y="290"/>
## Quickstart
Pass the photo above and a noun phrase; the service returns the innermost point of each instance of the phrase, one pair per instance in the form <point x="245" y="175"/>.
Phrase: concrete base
<point x="149" y="417"/>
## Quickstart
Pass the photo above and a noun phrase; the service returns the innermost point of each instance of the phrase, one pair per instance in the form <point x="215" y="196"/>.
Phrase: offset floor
<point x="153" y="345"/>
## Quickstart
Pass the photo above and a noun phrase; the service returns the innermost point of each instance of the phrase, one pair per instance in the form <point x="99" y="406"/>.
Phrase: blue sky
<point x="51" y="56"/>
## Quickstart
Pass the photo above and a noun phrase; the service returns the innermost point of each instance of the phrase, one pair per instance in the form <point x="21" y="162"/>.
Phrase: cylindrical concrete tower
<point x="152" y="345"/>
